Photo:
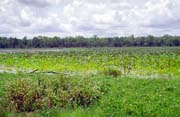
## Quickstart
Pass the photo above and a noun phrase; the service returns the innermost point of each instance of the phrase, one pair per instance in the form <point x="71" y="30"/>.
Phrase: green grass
<point x="163" y="61"/>
<point x="123" y="96"/>
<point x="142" y="97"/>
<point x="131" y="81"/>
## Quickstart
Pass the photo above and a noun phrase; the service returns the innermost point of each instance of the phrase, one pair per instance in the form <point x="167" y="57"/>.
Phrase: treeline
<point x="80" y="41"/>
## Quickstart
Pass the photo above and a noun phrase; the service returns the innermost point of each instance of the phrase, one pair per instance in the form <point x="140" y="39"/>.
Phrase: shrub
<point x="112" y="71"/>
<point x="84" y="97"/>
<point x="26" y="95"/>
<point x="3" y="107"/>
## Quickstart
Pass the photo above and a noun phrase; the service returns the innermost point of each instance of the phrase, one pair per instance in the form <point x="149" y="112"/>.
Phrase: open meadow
<point x="128" y="81"/>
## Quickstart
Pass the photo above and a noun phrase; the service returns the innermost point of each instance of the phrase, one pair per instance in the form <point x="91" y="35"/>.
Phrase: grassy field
<point x="90" y="82"/>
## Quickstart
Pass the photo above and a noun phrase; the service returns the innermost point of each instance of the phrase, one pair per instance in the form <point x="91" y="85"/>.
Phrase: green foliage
<point x="110" y="97"/>
<point x="3" y="106"/>
<point x="80" y="41"/>
<point x="137" y="62"/>
<point x="26" y="95"/>
<point x="142" y="97"/>
<point x="112" y="71"/>
<point x="78" y="82"/>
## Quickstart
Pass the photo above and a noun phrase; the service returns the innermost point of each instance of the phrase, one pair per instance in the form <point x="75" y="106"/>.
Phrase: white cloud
<point x="89" y="17"/>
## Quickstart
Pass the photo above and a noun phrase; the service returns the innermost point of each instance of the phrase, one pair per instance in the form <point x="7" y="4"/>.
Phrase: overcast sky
<point x="20" y="18"/>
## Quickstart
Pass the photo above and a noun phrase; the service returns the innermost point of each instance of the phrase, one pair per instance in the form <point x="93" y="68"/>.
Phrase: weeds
<point x="26" y="95"/>
<point x="112" y="71"/>
<point x="103" y="90"/>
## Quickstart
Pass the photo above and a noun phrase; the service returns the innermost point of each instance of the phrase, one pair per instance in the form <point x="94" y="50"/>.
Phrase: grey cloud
<point x="88" y="17"/>
<point x="163" y="25"/>
<point x="35" y="3"/>
<point x="5" y="29"/>
<point x="48" y="29"/>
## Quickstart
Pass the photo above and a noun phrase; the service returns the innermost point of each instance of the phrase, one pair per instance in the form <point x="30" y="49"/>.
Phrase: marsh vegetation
<point x="135" y="81"/>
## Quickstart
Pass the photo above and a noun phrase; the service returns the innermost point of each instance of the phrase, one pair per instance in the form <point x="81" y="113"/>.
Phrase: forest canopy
<point x="94" y="41"/>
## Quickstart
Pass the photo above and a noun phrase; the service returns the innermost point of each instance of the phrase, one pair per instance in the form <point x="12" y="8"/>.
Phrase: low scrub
<point x="27" y="95"/>
<point x="24" y="95"/>
<point x="112" y="71"/>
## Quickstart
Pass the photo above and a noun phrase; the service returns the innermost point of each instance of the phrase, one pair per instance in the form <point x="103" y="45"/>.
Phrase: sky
<point x="105" y="18"/>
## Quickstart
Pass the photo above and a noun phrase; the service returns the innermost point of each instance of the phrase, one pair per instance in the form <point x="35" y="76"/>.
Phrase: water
<point x="31" y="50"/>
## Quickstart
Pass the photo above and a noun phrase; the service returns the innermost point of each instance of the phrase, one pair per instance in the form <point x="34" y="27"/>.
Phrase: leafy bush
<point x="112" y="71"/>
<point x="3" y="107"/>
<point x="83" y="96"/>
<point x="26" y="95"/>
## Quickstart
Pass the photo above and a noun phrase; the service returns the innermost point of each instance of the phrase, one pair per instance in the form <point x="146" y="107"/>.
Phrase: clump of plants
<point x="112" y="71"/>
<point x="3" y="107"/>
<point x="27" y="95"/>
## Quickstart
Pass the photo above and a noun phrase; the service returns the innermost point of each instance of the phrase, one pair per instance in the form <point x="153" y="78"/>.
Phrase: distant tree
<point x="94" y="41"/>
